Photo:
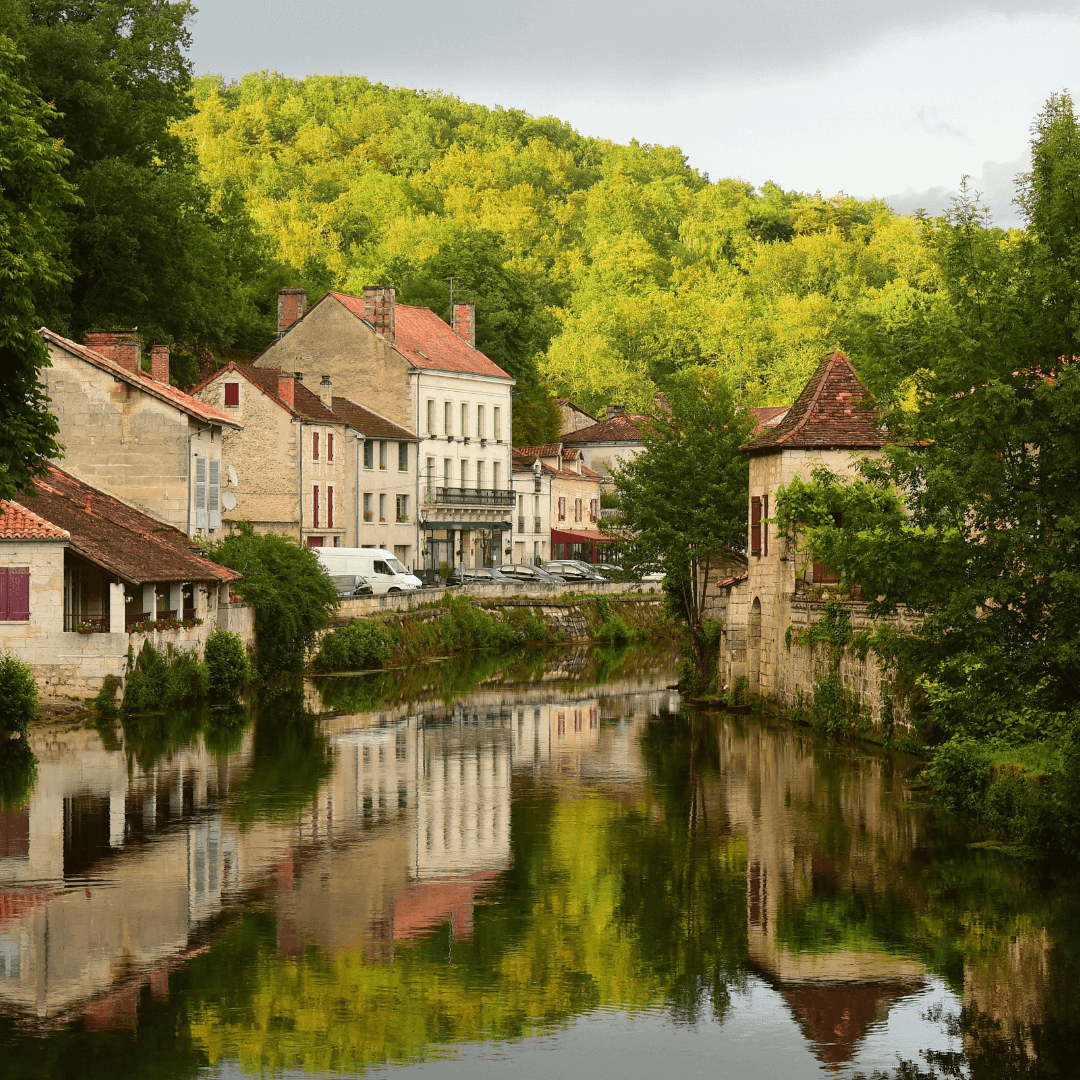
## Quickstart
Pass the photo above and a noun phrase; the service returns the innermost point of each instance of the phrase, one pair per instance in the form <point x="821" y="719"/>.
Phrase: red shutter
<point x="232" y="395"/>
<point x="3" y="593"/>
<point x="765" y="524"/>
<point x="315" y="507"/>
<point x="755" y="525"/>
<point x="329" y="497"/>
<point x="329" y="446"/>
<point x="18" y="594"/>
<point x="314" y="446"/>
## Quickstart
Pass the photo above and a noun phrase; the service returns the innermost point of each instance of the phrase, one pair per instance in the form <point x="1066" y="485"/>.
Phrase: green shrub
<point x="612" y="630"/>
<point x="157" y="682"/>
<point x="105" y="701"/>
<point x="961" y="772"/>
<point x="18" y="696"/>
<point x="228" y="669"/>
<point x="355" y="647"/>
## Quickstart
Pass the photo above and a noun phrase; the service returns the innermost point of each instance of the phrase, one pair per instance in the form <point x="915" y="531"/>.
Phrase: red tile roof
<point x="618" y="429"/>
<point x="117" y="537"/>
<point x="768" y="417"/>
<point x="163" y="391"/>
<point x="427" y="342"/>
<point x="534" y="452"/>
<point x="370" y="424"/>
<point x="834" y="411"/>
<point x="18" y="523"/>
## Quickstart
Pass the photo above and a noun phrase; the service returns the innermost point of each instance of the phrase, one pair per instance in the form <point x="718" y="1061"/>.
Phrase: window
<point x="200" y="493"/>
<point x="755" y="525"/>
<point x="369" y="513"/>
<point x="536" y="505"/>
<point x="577" y="509"/>
<point x="521" y="504"/>
<point x="495" y="475"/>
<point x="479" y="474"/>
<point x="403" y="457"/>
<point x="232" y="395"/>
<point x="15" y="593"/>
<point x="447" y="418"/>
<point x="369" y="454"/>
<point x="464" y="420"/>
<point x="382" y="507"/>
<point x="213" y="495"/>
<point x="431" y="416"/>
<point x="765" y="524"/>
<point x="329" y="505"/>
<point x="403" y="508"/>
<point x="496" y="416"/>
<point x="464" y="474"/>
<point x="594" y="509"/>
<point x="447" y="475"/>
<point x="827" y="575"/>
<point x="382" y="453"/>
<point x="315" y="506"/>
<point x="481" y="429"/>
<point x="562" y="508"/>
<point x="329" y="446"/>
<point x="314" y="446"/>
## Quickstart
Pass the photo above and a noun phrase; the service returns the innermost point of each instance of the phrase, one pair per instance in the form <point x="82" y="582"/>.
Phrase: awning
<point x="497" y="526"/>
<point x="580" y="536"/>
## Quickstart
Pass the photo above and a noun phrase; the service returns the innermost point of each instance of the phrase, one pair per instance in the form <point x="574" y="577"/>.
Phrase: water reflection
<point x="394" y="870"/>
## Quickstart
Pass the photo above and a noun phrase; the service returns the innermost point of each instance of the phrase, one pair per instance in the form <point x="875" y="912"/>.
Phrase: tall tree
<point x="684" y="497"/>
<point x="33" y="198"/>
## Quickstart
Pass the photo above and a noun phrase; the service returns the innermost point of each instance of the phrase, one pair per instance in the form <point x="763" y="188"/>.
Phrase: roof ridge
<point x="827" y="365"/>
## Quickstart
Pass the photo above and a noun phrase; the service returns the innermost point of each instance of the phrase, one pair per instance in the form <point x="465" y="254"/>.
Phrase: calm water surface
<point x="544" y="867"/>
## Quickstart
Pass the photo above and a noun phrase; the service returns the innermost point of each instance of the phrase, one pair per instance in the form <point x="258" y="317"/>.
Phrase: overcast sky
<point x="896" y="99"/>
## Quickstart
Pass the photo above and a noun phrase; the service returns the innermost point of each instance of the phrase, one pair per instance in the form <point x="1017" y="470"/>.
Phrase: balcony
<point x="90" y="624"/>
<point x="466" y="496"/>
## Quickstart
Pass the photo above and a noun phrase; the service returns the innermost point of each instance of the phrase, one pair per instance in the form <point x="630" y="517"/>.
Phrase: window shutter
<point x="18" y="604"/>
<point x="315" y="506"/>
<point x="329" y="507"/>
<point x="200" y="493"/>
<point x="755" y="525"/>
<point x="765" y="524"/>
<point x="329" y="446"/>
<point x="3" y="592"/>
<point x="232" y="395"/>
<point x="314" y="446"/>
<point x="213" y="495"/>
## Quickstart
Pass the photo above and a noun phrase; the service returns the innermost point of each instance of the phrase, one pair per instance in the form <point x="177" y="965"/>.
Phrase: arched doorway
<point x="753" y="648"/>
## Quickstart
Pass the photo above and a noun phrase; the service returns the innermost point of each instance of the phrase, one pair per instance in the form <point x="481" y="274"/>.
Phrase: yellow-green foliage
<point x="599" y="266"/>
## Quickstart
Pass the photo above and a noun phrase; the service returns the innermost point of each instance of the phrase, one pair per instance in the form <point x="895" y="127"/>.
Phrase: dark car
<point x="526" y="572"/>
<point x="464" y="575"/>
<point x="572" y="570"/>
<point x="351" y="585"/>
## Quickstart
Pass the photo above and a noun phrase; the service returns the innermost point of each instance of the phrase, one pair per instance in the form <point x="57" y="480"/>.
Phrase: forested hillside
<point x="597" y="269"/>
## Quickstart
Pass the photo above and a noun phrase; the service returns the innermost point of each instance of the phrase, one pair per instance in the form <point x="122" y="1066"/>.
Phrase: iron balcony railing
<point x="466" y="496"/>
<point x="98" y="624"/>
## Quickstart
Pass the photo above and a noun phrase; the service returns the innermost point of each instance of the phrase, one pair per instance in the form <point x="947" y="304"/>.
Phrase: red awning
<point x="579" y="536"/>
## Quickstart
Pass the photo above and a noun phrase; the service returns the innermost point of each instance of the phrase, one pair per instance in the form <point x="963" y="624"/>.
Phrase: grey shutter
<point x="213" y="494"/>
<point x="200" y="493"/>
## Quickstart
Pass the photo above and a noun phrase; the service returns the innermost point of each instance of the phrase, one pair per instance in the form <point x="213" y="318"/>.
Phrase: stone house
<point x="317" y="467"/>
<point x="132" y="434"/>
<point x="83" y="576"/>
<point x="784" y="591"/>
<point x="610" y="442"/>
<point x="558" y="505"/>
<point x="572" y="417"/>
<point x="429" y="378"/>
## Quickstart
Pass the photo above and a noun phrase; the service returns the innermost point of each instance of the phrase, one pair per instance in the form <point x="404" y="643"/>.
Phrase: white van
<point x="383" y="571"/>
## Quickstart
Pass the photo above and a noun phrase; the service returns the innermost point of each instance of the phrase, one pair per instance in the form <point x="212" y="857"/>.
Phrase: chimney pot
<point x="159" y="363"/>
<point x="464" y="321"/>
<point x="326" y="392"/>
<point x="379" y="306"/>
<point x="286" y="387"/>
<point x="615" y="410"/>
<point x="291" y="307"/>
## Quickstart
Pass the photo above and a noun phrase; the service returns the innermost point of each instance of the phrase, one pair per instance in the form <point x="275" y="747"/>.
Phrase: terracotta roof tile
<point x="18" y="523"/>
<point x="625" y="429"/>
<point x="163" y="391"/>
<point x="834" y="411"/>
<point x="428" y="342"/>
<point x="534" y="452"/>
<point x="768" y="417"/>
<point x="122" y="540"/>
<point x="369" y="423"/>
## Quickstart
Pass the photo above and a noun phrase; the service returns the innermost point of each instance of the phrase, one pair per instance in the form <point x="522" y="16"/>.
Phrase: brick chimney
<point x="291" y="305"/>
<point x="159" y="363"/>
<point x="464" y="323"/>
<point x="615" y="410"/>
<point x="129" y="351"/>
<point x="101" y="341"/>
<point x="326" y="392"/>
<point x="379" y="305"/>
<point x="286" y="387"/>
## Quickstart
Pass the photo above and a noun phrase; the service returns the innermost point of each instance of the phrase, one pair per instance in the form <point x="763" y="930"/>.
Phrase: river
<point x="544" y="864"/>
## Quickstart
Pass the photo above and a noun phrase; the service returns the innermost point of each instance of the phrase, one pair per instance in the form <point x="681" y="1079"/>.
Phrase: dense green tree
<point x="684" y="498"/>
<point x="33" y="198"/>
<point x="973" y="516"/>
<point x="149" y="245"/>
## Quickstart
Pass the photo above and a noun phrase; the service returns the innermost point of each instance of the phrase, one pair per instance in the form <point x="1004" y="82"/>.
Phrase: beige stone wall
<point x="602" y="459"/>
<point x="583" y="488"/>
<point x="361" y="365"/>
<point x="124" y="441"/>
<point x="45" y="558"/>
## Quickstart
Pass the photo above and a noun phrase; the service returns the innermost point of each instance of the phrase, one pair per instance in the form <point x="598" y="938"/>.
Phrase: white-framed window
<point x="369" y="454"/>
<point x="382" y="454"/>
<point x="496" y="418"/>
<point x="403" y="457"/>
<point x="562" y="508"/>
<point x="431" y="416"/>
<point x="481" y="429"/>
<point x="464" y="420"/>
<point x="448" y="418"/>
<point x="402" y="508"/>
<point x="577" y="509"/>
<point x="447" y="471"/>
<point x="495" y="474"/>
<point x="479" y="474"/>
<point x="382" y="507"/>
<point x="329" y="446"/>
<point x="369" y="511"/>
<point x="464" y="473"/>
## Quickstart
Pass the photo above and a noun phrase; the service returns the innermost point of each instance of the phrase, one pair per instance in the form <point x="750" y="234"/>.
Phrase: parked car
<point x="572" y="570"/>
<point x="352" y="585"/>
<point x="463" y="575"/>
<point x="527" y="572"/>
<point x="607" y="568"/>
<point x="384" y="572"/>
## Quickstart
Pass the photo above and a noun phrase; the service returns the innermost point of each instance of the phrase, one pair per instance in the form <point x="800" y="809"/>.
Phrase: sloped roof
<point x="533" y="452"/>
<point x="834" y="411"/>
<point x="624" y="429"/>
<point x="768" y="416"/>
<point x="120" y="539"/>
<point x="163" y="391"/>
<point x="18" y="523"/>
<point x="371" y="424"/>
<point x="428" y="342"/>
